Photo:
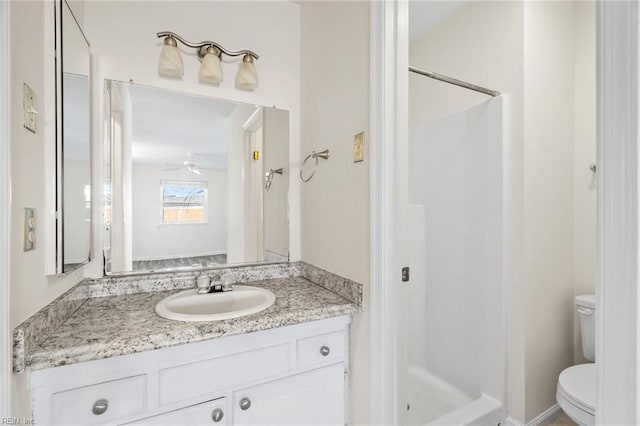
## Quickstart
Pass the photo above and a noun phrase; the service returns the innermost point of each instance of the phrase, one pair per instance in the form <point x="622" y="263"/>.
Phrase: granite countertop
<point x="103" y="327"/>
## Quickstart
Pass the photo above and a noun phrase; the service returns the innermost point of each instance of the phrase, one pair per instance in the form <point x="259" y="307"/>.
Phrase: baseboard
<point x="540" y="419"/>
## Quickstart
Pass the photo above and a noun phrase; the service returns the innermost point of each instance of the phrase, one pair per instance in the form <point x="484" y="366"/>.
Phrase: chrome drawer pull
<point x="217" y="415"/>
<point x="100" y="406"/>
<point x="325" y="350"/>
<point x="245" y="403"/>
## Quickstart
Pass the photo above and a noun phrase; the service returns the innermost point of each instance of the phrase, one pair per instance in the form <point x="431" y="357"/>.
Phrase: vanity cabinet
<point x="289" y="375"/>
<point x="312" y="398"/>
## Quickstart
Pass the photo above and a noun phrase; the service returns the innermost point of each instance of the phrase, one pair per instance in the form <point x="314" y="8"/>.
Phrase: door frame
<point x="389" y="128"/>
<point x="617" y="314"/>
<point x="6" y="343"/>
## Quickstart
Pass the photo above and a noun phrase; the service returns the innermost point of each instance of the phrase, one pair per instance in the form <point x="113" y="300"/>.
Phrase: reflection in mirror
<point x="186" y="187"/>
<point x="76" y="146"/>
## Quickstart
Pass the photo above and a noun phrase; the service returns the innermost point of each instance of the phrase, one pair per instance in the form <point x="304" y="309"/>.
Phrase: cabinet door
<point x="208" y="413"/>
<point x="312" y="398"/>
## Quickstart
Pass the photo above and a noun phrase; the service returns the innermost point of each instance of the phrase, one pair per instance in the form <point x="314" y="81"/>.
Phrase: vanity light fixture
<point x="170" y="64"/>
<point x="210" y="54"/>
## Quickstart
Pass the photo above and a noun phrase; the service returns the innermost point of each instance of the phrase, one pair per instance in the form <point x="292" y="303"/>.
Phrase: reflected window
<point x="183" y="202"/>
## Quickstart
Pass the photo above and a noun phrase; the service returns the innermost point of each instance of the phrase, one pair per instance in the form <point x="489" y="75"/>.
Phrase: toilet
<point x="576" y="392"/>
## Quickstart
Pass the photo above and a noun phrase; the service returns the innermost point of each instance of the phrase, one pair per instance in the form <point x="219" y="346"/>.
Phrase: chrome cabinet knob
<point x="245" y="403"/>
<point x="325" y="350"/>
<point x="100" y="406"/>
<point x="217" y="415"/>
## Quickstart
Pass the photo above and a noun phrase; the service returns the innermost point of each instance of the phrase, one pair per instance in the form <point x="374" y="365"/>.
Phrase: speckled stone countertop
<point x="103" y="327"/>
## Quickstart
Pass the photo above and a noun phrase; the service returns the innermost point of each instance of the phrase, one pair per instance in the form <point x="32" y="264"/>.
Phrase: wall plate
<point x="358" y="147"/>
<point x="29" y="107"/>
<point x="29" y="229"/>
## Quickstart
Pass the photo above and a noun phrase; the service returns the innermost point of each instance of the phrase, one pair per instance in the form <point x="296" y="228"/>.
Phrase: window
<point x="183" y="202"/>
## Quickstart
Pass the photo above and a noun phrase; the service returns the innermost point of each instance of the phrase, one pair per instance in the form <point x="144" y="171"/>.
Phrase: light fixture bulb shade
<point x="170" y="64"/>
<point x="247" y="77"/>
<point x="211" y="69"/>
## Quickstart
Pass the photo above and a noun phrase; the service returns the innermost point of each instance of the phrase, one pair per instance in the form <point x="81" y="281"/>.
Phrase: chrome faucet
<point x="215" y="283"/>
<point x="204" y="284"/>
<point x="227" y="281"/>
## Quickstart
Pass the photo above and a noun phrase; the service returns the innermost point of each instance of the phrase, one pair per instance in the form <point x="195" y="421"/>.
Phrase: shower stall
<point x="456" y="354"/>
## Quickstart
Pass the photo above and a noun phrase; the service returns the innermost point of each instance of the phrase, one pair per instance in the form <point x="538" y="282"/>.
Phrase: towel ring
<point x="322" y="154"/>
<point x="268" y="177"/>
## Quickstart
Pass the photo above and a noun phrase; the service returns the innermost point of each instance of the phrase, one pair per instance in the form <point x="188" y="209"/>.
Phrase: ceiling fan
<point x="187" y="165"/>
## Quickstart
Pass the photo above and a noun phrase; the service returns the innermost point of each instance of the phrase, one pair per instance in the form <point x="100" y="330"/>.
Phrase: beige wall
<point x="548" y="199"/>
<point x="30" y="288"/>
<point x="584" y="128"/>
<point x="560" y="192"/>
<point x="483" y="44"/>
<point x="335" y="203"/>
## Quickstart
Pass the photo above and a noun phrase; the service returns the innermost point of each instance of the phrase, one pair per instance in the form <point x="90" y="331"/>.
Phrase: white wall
<point x="270" y="28"/>
<point x="483" y="43"/>
<point x="153" y="240"/>
<point x="335" y="203"/>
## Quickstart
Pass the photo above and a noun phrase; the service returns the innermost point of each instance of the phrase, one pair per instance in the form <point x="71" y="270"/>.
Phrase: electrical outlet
<point x="358" y="147"/>
<point x="29" y="107"/>
<point x="29" y="229"/>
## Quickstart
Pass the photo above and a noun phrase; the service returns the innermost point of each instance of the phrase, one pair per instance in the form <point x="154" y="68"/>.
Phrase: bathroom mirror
<point x="74" y="145"/>
<point x="191" y="181"/>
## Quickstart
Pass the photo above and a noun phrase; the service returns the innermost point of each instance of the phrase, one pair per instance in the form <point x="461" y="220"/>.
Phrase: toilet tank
<point x="586" y="307"/>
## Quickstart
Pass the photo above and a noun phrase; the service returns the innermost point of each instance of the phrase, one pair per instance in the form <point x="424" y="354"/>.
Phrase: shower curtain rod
<point x="454" y="81"/>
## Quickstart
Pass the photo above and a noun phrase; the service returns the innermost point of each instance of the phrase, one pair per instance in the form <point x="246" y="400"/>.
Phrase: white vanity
<point x="110" y="359"/>
<point x="291" y="375"/>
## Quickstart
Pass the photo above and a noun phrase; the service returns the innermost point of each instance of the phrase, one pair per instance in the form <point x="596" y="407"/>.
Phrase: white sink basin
<point x="191" y="306"/>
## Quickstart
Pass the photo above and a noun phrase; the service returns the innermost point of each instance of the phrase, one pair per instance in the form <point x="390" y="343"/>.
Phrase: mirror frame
<point x="59" y="141"/>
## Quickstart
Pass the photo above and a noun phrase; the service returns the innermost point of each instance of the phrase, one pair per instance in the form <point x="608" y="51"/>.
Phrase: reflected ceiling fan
<point x="189" y="164"/>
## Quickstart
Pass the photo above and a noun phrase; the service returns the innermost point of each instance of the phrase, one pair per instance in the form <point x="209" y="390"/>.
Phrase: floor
<point x="183" y="262"/>
<point x="560" y="420"/>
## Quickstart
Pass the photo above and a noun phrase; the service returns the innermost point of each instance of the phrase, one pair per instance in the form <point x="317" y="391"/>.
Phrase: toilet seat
<point x="576" y="393"/>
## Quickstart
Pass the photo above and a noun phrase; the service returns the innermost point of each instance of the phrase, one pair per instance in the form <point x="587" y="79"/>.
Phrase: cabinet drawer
<point x="199" y="379"/>
<point x="121" y="398"/>
<point x="208" y="413"/>
<point x="322" y="349"/>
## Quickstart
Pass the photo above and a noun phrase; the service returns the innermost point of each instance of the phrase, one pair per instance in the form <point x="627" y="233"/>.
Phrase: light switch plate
<point x="358" y="147"/>
<point x="29" y="101"/>
<point x="29" y="229"/>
